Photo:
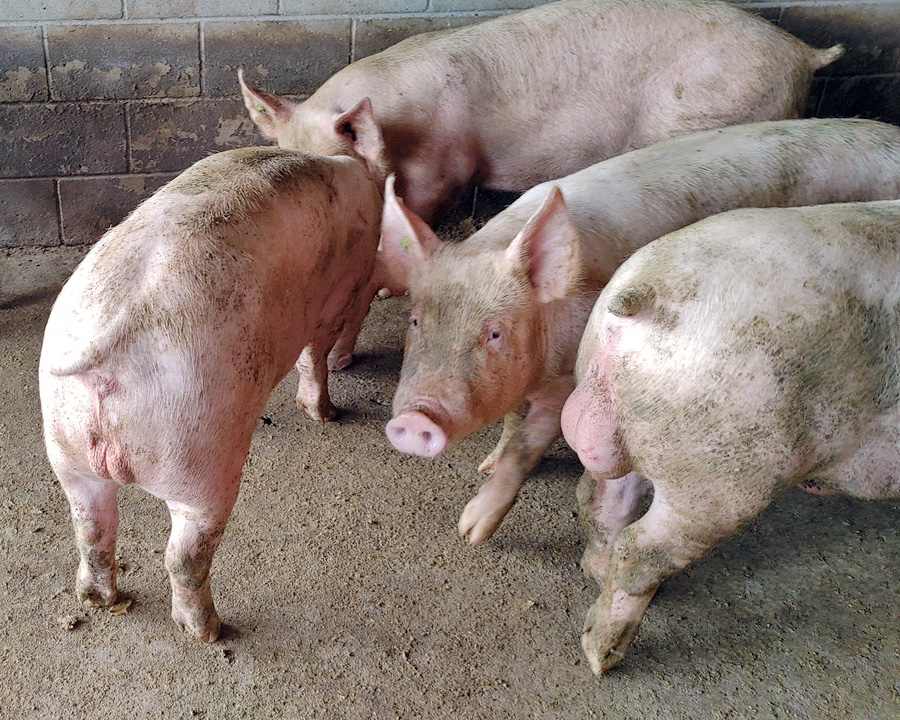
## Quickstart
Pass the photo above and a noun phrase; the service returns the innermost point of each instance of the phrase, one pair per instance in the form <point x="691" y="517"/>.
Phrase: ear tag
<point x="404" y="243"/>
<point x="260" y="108"/>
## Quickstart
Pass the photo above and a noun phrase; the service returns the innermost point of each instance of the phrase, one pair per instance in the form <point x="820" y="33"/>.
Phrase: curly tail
<point x="823" y="57"/>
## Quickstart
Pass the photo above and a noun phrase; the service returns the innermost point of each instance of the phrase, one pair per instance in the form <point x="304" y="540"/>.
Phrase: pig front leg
<point x="95" y="515"/>
<point x="520" y="454"/>
<point x="605" y="508"/>
<point x="196" y="532"/>
<point x="312" y="390"/>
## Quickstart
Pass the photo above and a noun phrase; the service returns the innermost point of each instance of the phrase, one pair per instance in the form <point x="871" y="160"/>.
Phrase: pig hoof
<point x="205" y="629"/>
<point x="339" y="362"/>
<point x="481" y="517"/>
<point x="97" y="597"/>
<point x="605" y="643"/>
<point x="96" y="594"/>
<point x="319" y="413"/>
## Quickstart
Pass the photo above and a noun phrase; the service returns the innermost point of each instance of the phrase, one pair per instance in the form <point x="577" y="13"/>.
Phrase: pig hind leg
<point x="662" y="542"/>
<point x="196" y="531"/>
<point x="606" y="507"/>
<point x="95" y="516"/>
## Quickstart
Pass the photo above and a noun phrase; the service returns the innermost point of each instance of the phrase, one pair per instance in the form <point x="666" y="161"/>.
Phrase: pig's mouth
<point x="417" y="431"/>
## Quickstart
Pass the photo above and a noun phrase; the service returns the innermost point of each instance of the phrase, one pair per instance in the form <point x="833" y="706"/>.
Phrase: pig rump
<point x="747" y="353"/>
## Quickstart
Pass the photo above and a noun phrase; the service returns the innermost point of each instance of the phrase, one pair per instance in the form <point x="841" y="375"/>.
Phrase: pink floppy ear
<point x="407" y="243"/>
<point x="268" y="112"/>
<point x="547" y="250"/>
<point x="360" y="134"/>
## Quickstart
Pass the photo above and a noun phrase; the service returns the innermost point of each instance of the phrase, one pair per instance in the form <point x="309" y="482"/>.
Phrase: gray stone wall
<point x="102" y="101"/>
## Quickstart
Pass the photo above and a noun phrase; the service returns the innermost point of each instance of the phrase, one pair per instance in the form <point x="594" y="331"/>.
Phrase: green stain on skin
<point x="404" y="242"/>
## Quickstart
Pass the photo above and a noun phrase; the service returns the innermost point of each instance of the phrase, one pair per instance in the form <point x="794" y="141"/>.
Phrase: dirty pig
<point x="164" y="344"/>
<point x="723" y="364"/>
<point x="496" y="319"/>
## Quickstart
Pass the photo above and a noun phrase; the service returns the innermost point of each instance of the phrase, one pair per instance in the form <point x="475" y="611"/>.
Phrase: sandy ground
<point x="347" y="593"/>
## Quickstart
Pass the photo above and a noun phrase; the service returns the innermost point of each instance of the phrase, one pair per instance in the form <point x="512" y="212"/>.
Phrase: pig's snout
<point x="415" y="433"/>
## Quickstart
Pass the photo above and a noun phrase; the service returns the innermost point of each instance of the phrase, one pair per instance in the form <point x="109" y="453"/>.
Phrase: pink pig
<point x="163" y="346"/>
<point x="539" y="94"/>
<point x="496" y="319"/>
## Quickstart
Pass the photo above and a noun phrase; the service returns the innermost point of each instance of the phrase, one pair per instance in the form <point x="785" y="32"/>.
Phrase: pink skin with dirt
<point x="723" y="364"/>
<point x="496" y="320"/>
<point x="163" y="346"/>
<point x="535" y="95"/>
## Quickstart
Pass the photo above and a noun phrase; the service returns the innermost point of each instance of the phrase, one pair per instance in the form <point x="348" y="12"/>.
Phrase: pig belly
<point x="871" y="470"/>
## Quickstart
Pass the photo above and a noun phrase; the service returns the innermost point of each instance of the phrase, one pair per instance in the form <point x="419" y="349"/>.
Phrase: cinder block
<point x="170" y="136"/>
<point x="346" y="7"/>
<point x="64" y="139"/>
<point x="876" y="98"/>
<point x="60" y="10"/>
<point x="28" y="213"/>
<point x="23" y="76"/>
<point x="90" y="206"/>
<point x="373" y="36"/>
<point x="198" y="8"/>
<point x="870" y="32"/>
<point x="284" y="56"/>
<point x="124" y="61"/>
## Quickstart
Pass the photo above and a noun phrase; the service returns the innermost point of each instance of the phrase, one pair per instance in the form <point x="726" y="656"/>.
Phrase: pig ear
<point x="406" y="240"/>
<point x="546" y="250"/>
<point x="359" y="133"/>
<point x="268" y="112"/>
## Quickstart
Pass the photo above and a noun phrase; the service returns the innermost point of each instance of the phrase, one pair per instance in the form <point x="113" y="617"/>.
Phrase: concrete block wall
<point x="103" y="101"/>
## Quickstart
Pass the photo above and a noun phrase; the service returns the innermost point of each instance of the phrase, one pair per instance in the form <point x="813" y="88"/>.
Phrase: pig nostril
<point x="426" y="436"/>
<point x="398" y="431"/>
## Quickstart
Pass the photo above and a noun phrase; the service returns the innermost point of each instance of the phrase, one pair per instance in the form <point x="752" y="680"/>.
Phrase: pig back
<point x="238" y="252"/>
<point x="626" y="202"/>
<point x="758" y="348"/>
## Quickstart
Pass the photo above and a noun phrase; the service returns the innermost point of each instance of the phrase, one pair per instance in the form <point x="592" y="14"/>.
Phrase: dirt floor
<point x="348" y="594"/>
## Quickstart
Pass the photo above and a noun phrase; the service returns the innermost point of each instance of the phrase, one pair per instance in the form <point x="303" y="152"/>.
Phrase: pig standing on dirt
<point x="496" y="320"/>
<point x="725" y="363"/>
<point x="536" y="95"/>
<point x="164" y="344"/>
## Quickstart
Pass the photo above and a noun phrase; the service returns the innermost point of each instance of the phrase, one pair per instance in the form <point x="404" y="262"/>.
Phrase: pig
<point x="496" y="319"/>
<point x="162" y="347"/>
<point x="723" y="364"/>
<point x="536" y="95"/>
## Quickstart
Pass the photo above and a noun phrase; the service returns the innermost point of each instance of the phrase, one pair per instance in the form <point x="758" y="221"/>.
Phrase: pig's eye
<point x="413" y="322"/>
<point x="494" y="336"/>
